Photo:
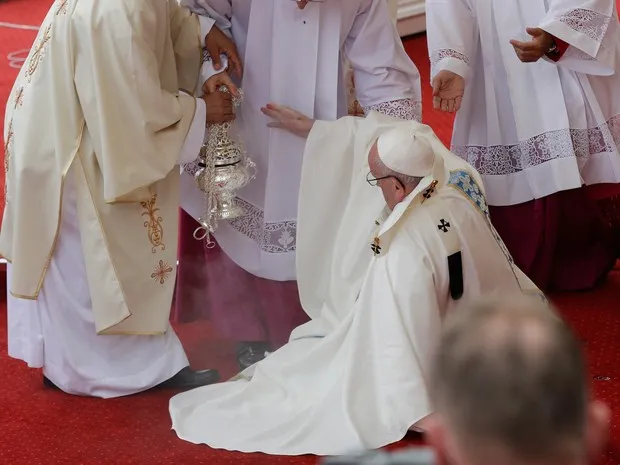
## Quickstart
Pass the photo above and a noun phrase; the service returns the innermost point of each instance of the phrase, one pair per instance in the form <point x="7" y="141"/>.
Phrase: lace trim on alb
<point x="276" y="237"/>
<point x="405" y="109"/>
<point x="510" y="159"/>
<point x="443" y="53"/>
<point x="191" y="168"/>
<point x="588" y="22"/>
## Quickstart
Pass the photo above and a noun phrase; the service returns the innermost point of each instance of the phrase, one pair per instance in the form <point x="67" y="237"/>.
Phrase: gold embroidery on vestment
<point x="19" y="97"/>
<point x="62" y="7"/>
<point x="153" y="224"/>
<point x="7" y="157"/>
<point x="37" y="52"/>
<point x="161" y="272"/>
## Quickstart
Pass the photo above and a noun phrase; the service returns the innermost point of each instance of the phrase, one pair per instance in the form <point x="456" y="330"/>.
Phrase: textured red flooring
<point x="38" y="426"/>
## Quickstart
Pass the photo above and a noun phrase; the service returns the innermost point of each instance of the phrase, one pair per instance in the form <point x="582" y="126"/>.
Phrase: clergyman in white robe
<point x="376" y="283"/>
<point x="538" y="131"/>
<point x="95" y="133"/>
<point x="296" y="57"/>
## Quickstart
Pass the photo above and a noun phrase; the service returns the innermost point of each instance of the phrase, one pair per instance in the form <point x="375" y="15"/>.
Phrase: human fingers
<point x="214" y="51"/>
<point x="457" y="103"/>
<point x="534" y="31"/>
<point x="436" y="103"/>
<point x="444" y="105"/>
<point x="271" y="113"/>
<point x="436" y="83"/>
<point x="225" y="80"/>
<point x="234" y="60"/>
<point x="451" y="105"/>
<point x="523" y="46"/>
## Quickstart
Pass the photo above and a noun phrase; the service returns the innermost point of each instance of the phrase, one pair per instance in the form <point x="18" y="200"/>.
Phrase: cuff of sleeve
<point x="195" y="135"/>
<point x="453" y="64"/>
<point x="207" y="70"/>
<point x="560" y="50"/>
<point x="206" y="24"/>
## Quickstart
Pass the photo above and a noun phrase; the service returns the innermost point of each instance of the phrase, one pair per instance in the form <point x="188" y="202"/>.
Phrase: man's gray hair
<point x="509" y="375"/>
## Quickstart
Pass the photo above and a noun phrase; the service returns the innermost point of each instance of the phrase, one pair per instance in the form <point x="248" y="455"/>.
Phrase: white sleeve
<point x="386" y="80"/>
<point x="206" y="24"/>
<point x="591" y="29"/>
<point x="195" y="135"/>
<point x="452" y="34"/>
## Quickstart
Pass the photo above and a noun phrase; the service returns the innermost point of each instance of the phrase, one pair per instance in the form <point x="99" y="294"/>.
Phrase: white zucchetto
<point x="405" y="150"/>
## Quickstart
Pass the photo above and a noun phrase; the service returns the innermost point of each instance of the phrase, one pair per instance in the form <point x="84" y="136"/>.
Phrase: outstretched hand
<point x="448" y="90"/>
<point x="218" y="43"/>
<point x="288" y="119"/>
<point x="535" y="49"/>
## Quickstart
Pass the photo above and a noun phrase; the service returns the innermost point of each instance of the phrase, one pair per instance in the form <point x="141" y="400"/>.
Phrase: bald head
<point x="510" y="375"/>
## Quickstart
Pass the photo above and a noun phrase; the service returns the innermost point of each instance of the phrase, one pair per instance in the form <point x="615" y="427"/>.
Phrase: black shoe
<point x="48" y="384"/>
<point x="189" y="379"/>
<point x="249" y="353"/>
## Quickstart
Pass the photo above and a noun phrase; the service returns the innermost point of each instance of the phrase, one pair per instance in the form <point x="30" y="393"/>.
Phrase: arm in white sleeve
<point x="590" y="28"/>
<point x="195" y="135"/>
<point x="452" y="33"/>
<point x="386" y="80"/>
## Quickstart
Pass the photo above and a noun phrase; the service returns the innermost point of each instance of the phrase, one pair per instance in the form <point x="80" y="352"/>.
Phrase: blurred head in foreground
<point x="510" y="388"/>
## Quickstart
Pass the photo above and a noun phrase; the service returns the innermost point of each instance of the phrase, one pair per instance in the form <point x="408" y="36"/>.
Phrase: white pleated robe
<point x="95" y="134"/>
<point x="355" y="377"/>
<point x="296" y="58"/>
<point x="532" y="129"/>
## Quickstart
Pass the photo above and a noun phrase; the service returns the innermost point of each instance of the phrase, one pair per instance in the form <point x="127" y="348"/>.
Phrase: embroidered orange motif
<point x="355" y="109"/>
<point x="62" y="7"/>
<point x="37" y="52"/>
<point x="153" y="224"/>
<point x="7" y="157"/>
<point x="19" y="97"/>
<point x="161" y="272"/>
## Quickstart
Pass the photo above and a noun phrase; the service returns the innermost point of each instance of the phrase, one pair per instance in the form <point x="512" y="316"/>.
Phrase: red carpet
<point x="41" y="426"/>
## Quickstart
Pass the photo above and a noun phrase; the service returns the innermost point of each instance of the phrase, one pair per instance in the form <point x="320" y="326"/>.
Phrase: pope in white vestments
<point x="379" y="266"/>
<point x="95" y="130"/>
<point x="538" y="87"/>
<point x="296" y="56"/>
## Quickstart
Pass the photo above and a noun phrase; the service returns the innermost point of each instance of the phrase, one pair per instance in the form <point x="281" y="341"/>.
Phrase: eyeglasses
<point x="375" y="181"/>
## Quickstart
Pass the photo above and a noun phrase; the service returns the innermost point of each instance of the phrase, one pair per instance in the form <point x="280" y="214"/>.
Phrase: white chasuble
<point x="297" y="58"/>
<point x="532" y="129"/>
<point x="355" y="377"/>
<point x="114" y="115"/>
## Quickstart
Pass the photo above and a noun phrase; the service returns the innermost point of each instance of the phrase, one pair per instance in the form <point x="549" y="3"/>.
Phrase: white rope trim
<point x="17" y="59"/>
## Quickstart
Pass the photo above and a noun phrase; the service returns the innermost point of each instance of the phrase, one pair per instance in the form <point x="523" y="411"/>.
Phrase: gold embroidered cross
<point x="161" y="272"/>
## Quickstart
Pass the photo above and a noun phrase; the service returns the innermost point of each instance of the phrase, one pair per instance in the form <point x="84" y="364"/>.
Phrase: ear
<point x="597" y="429"/>
<point x="436" y="436"/>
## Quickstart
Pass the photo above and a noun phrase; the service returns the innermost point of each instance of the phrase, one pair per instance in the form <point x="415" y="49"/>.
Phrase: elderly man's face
<point x="393" y="189"/>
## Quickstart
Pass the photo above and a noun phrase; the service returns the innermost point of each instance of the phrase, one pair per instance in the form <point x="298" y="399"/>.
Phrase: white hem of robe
<point x="57" y="332"/>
